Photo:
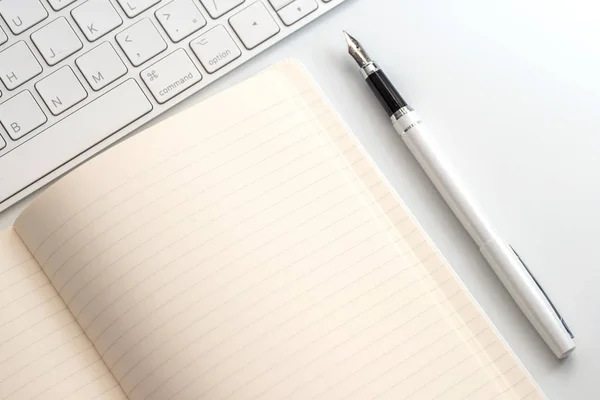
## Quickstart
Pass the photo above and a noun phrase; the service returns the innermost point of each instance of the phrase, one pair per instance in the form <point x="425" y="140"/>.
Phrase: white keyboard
<point x="77" y="75"/>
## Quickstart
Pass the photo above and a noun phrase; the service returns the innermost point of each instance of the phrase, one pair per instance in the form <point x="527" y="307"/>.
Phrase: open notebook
<point x="254" y="254"/>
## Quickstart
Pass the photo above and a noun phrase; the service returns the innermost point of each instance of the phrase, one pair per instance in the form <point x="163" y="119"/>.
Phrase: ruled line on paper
<point x="254" y="232"/>
<point x="489" y="363"/>
<point x="159" y="232"/>
<point x="202" y="244"/>
<point x="20" y="281"/>
<point x="106" y="391"/>
<point x="163" y="307"/>
<point x="467" y="358"/>
<point x="404" y="342"/>
<point x="360" y="332"/>
<point x="160" y="306"/>
<point x="178" y="154"/>
<point x="495" y="378"/>
<point x="57" y="329"/>
<point x="56" y="347"/>
<point x="220" y="270"/>
<point x="36" y="322"/>
<point x="82" y="386"/>
<point x="31" y="291"/>
<point x="55" y="366"/>
<point x="43" y="347"/>
<point x="180" y="220"/>
<point x="273" y="256"/>
<point x="333" y="257"/>
<point x="257" y="146"/>
<point x="282" y="305"/>
<point x="15" y="266"/>
<point x="226" y="248"/>
<point x="416" y="281"/>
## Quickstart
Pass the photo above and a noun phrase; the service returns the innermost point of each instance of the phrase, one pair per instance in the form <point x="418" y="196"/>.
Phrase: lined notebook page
<point x="43" y="352"/>
<point x="258" y="254"/>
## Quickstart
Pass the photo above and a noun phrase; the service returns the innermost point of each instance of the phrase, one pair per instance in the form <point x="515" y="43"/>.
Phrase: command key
<point x="170" y="76"/>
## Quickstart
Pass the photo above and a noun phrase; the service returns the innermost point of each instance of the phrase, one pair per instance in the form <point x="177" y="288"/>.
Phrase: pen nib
<point x="357" y="51"/>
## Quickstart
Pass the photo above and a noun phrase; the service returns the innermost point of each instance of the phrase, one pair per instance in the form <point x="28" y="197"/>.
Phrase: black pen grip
<point x="387" y="94"/>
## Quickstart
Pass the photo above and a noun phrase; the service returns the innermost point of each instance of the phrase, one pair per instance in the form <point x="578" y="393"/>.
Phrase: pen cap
<point x="529" y="296"/>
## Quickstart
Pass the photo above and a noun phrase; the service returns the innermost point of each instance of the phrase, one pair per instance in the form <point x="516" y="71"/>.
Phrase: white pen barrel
<point x="507" y="266"/>
<point x="441" y="173"/>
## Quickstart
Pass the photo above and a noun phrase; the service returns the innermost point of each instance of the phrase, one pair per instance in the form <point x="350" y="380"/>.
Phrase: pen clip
<point x="544" y="293"/>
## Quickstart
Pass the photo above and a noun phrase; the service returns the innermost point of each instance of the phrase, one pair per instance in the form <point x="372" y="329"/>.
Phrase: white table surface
<point x="511" y="91"/>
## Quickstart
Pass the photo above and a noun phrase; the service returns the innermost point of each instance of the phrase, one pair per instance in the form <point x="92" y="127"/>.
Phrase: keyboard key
<point x="56" y="41"/>
<point x="21" y="15"/>
<point x="18" y="65"/>
<point x="135" y="7"/>
<point x="297" y="10"/>
<point x="215" y="49"/>
<point x="180" y="18"/>
<point x="220" y="7"/>
<point x="279" y="4"/>
<point x="80" y="130"/>
<point x="141" y="42"/>
<point x="21" y="114"/>
<point x="61" y="90"/>
<point x="2" y="143"/>
<point x="96" y="18"/>
<point x="254" y="25"/>
<point x="3" y="37"/>
<point x="60" y="4"/>
<point x="171" y="76"/>
<point x="101" y="66"/>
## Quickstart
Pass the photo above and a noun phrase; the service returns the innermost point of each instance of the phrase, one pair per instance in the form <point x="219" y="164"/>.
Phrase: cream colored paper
<point x="44" y="354"/>
<point x="247" y="248"/>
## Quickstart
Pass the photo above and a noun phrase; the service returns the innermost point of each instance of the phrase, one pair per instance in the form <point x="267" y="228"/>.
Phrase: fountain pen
<point x="506" y="263"/>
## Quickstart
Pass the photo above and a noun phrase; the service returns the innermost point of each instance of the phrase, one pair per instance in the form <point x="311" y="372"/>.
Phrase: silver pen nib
<point x="357" y="51"/>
